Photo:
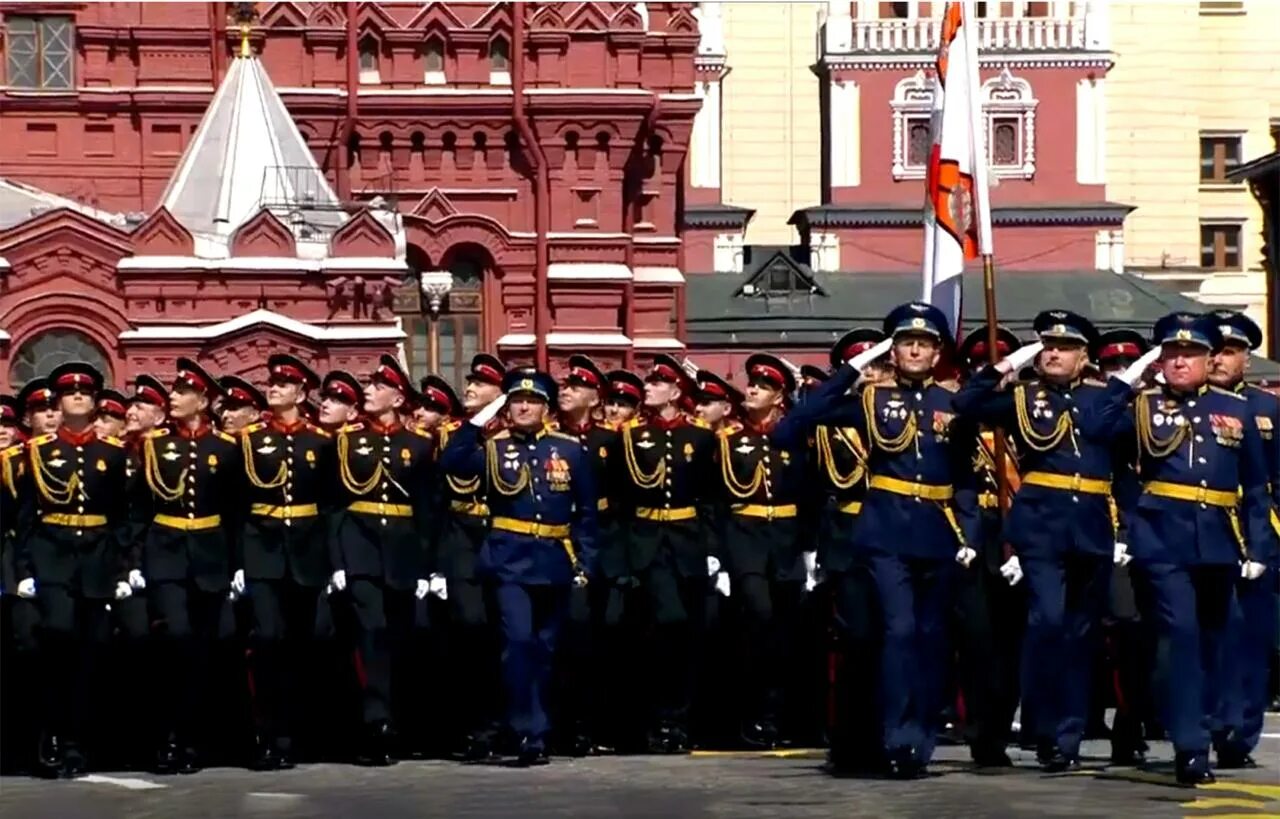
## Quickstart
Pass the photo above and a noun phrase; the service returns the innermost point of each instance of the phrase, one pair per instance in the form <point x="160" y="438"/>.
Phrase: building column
<point x="710" y="64"/>
<point x="1091" y="131"/>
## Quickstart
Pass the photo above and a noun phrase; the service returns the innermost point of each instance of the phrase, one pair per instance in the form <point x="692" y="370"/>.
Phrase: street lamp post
<point x="435" y="285"/>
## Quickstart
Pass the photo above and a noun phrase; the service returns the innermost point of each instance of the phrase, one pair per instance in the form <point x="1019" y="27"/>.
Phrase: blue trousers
<point x="1255" y="617"/>
<point x="1067" y="597"/>
<point x="1190" y="605"/>
<point x="531" y="619"/>
<point x="915" y="597"/>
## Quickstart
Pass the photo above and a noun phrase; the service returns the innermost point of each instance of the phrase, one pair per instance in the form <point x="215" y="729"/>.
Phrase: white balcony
<point x="1001" y="34"/>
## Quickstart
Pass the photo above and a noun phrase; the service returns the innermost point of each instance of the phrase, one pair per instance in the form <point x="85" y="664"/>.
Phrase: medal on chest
<point x="1227" y="431"/>
<point x="557" y="472"/>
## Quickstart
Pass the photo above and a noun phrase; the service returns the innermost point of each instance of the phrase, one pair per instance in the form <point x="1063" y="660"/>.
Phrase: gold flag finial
<point x="244" y="15"/>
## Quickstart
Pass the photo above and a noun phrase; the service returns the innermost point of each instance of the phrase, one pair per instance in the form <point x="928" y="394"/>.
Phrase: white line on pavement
<point x="272" y="795"/>
<point x="1271" y="736"/>
<point x="129" y="783"/>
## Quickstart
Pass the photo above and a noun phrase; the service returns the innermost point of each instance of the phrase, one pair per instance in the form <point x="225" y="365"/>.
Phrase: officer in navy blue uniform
<point x="380" y="526"/>
<point x="1060" y="525"/>
<point x="193" y="499"/>
<point x="1201" y="520"/>
<point x="542" y="540"/>
<point x="69" y="559"/>
<point x="762" y="483"/>
<point x="289" y="469"/>
<point x="1256" y="615"/>
<point x="916" y="520"/>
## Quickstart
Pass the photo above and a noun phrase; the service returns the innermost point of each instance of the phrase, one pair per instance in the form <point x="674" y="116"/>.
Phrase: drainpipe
<point x="541" y="189"/>
<point x="353" y="103"/>
<point x="628" y="227"/>
<point x="217" y="41"/>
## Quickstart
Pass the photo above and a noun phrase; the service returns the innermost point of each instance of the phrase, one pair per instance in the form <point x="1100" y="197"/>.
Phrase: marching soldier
<point x="39" y="407"/>
<point x="194" y="490"/>
<point x="18" y="616"/>
<point x="340" y="400"/>
<point x="544" y="503"/>
<point x="70" y="561"/>
<point x="716" y="401"/>
<point x="590" y="649"/>
<point x="472" y="629"/>
<point x="109" y="415"/>
<point x="1201" y="520"/>
<point x="438" y="403"/>
<point x="241" y="404"/>
<point x="920" y="465"/>
<point x="1060" y="526"/>
<point x="288" y="464"/>
<point x="1256" y="615"/>
<point x="667" y="503"/>
<point x="378" y="541"/>
<point x="762" y="475"/>
<point x="623" y="397"/>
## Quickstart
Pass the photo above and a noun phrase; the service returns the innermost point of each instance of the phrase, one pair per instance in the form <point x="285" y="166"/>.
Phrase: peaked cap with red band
<point x="75" y="374"/>
<point x="285" y="367"/>
<point x="8" y="410"/>
<point x="670" y="371"/>
<point x="35" y="394"/>
<point x="853" y="342"/>
<point x="584" y="372"/>
<point x="813" y="374"/>
<point x="626" y="386"/>
<point x="973" y="349"/>
<point x="487" y="369"/>
<point x="342" y="386"/>
<point x="240" y="393"/>
<point x="390" y="372"/>
<point x="437" y="393"/>
<point x="147" y="389"/>
<point x="770" y="368"/>
<point x="191" y="376"/>
<point x="1121" y="343"/>
<point x="712" y="387"/>
<point x="112" y="403"/>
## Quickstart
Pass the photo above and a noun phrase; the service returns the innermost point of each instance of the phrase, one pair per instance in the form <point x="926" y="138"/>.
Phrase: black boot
<point x="189" y="760"/>
<point x="284" y="754"/>
<point x="1193" y="769"/>
<point x="50" y="755"/>
<point x="761" y="735"/>
<point x="74" y="763"/>
<point x="989" y="755"/>
<point x="375" y="746"/>
<point x="265" y="756"/>
<point x="532" y="752"/>
<point x="167" y="756"/>
<point x="905" y="763"/>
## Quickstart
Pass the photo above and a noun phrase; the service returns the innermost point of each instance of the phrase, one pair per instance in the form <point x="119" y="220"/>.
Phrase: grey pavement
<point x="730" y="785"/>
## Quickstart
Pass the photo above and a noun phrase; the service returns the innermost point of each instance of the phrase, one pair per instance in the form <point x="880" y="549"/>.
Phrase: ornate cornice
<point x="898" y="62"/>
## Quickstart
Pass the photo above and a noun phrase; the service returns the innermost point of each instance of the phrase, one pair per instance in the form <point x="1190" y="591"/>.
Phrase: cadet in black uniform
<point x="472" y="629"/>
<point x="666" y="493"/>
<point x="341" y="399"/>
<point x="590" y="651"/>
<point x="38" y="407"/>
<point x="70" y="560"/>
<point x="622" y="400"/>
<point x="195" y="487"/>
<point x="17" y="615"/>
<point x="378" y="540"/>
<point x="241" y="404"/>
<point x="288" y="465"/>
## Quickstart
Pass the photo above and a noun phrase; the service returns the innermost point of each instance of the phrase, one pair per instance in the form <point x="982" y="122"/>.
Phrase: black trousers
<point x="588" y="669"/>
<point x="187" y="622"/>
<point x="473" y="647"/>
<point x="855" y="736"/>
<point x="283" y="650"/>
<point x="769" y="610"/>
<point x="989" y="623"/>
<point x="674" y="609"/>
<point x="73" y="635"/>
<point x="384" y="619"/>
<point x="19" y="677"/>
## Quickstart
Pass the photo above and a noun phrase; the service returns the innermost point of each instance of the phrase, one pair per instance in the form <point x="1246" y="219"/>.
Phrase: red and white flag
<point x="957" y="212"/>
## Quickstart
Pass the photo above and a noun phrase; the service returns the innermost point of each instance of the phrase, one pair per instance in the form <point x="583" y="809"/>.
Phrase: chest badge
<point x="364" y="450"/>
<point x="744" y="448"/>
<point x="56" y="462"/>
<point x="942" y="421"/>
<point x="406" y="456"/>
<point x="311" y="457"/>
<point x="171" y="456"/>
<point x="213" y="463"/>
<point x="266" y="450"/>
<point x="786" y="456"/>
<point x="688" y="453"/>
<point x="101" y="465"/>
<point x="646" y="444"/>
<point x="557" y="472"/>
<point x="604" y="452"/>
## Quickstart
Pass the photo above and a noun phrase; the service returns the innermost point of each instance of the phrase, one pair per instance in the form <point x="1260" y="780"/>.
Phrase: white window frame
<point x="912" y="97"/>
<point x="1004" y="97"/>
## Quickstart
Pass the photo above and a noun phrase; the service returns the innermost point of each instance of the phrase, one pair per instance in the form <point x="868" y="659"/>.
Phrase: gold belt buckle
<point x="1201" y="494"/>
<point x="1075" y="483"/>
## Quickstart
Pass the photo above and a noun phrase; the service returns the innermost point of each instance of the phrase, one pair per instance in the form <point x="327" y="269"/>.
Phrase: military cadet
<point x="110" y="413"/>
<point x="240" y="404"/>
<point x="1060" y="526"/>
<point x="18" y="616"/>
<point x="471" y="631"/>
<point x="543" y="499"/>
<point x="1256" y="615"/>
<point x="839" y="465"/>
<point x="378" y="538"/>
<point x="762" y="472"/>
<point x="39" y="407"/>
<point x="717" y="401"/>
<point x="194" y="493"/>
<point x="667" y="502"/>
<point x="341" y="398"/>
<point x="1201" y="520"/>
<point x="990" y="614"/>
<point x="69" y="560"/>
<point x="916" y="520"/>
<point x="622" y="400"/>
<point x="438" y="402"/>
<point x="288" y="463"/>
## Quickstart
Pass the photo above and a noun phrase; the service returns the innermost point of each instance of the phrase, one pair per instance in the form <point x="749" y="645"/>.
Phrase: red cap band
<point x="627" y="388"/>
<point x="439" y="397"/>
<point x="111" y="407"/>
<point x="74" y="380"/>
<point x="666" y="373"/>
<point x="7" y="413"/>
<point x="343" y="391"/>
<point x="240" y="395"/>
<point x="41" y="396"/>
<point x="193" y="380"/>
<point x="979" y="350"/>
<point x="289" y="373"/>
<point x="487" y="373"/>
<point x="585" y="375"/>
<point x="712" y="388"/>
<point x="769" y="373"/>
<point x="1121" y="349"/>
<point x="392" y="377"/>
<point x="151" y="395"/>
<point x="857" y="347"/>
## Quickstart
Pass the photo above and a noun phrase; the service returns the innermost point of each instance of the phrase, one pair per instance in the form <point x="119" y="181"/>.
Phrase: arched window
<point x="445" y="341"/>
<point x="433" y="60"/>
<point x="499" y="61"/>
<point x="37" y="357"/>
<point x="369" y="72"/>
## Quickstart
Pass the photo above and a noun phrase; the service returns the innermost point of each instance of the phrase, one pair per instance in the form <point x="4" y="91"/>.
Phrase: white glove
<point x="1019" y="358"/>
<point x="1122" y="556"/>
<point x="810" y="571"/>
<point x="237" y="582"/>
<point x="1252" y="569"/>
<point x="27" y="588"/>
<point x="438" y="586"/>
<point x="713" y="565"/>
<point x="339" y="580"/>
<point x="1012" y="570"/>
<point x="1134" y="372"/>
<point x="136" y="580"/>
<point x="488" y="412"/>
<point x="965" y="556"/>
<point x="421" y="591"/>
<point x="580" y="580"/>
<point x="328" y="589"/>
<point x="123" y="590"/>
<point x="233" y="596"/>
<point x="722" y="583"/>
<point x="862" y="359"/>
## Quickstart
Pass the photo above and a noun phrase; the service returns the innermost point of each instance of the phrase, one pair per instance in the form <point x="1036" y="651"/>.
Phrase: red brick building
<point x="337" y="179"/>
